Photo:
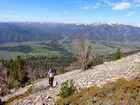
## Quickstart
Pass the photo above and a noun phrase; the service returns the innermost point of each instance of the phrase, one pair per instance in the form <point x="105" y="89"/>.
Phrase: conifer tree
<point x="117" y="55"/>
<point x="18" y="73"/>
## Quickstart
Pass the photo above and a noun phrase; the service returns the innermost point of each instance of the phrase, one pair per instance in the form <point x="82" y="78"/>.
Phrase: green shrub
<point x="30" y="90"/>
<point x="33" y="89"/>
<point x="39" y="88"/>
<point x="14" y="84"/>
<point x="67" y="89"/>
<point x="117" y="55"/>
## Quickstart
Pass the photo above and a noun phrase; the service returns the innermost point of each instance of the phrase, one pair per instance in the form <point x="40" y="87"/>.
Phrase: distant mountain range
<point x="36" y="31"/>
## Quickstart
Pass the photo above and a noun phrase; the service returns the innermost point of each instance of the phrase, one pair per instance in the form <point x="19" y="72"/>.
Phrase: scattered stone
<point x="39" y="103"/>
<point x="37" y="98"/>
<point x="47" y="96"/>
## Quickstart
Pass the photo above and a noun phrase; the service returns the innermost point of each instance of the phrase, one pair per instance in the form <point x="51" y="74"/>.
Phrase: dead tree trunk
<point x="4" y="80"/>
<point x="85" y="56"/>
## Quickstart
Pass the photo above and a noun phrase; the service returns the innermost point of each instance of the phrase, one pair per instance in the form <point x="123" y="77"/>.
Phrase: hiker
<point x="51" y="75"/>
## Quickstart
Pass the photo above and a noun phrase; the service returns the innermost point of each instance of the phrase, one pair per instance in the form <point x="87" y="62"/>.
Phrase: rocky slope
<point x="127" y="67"/>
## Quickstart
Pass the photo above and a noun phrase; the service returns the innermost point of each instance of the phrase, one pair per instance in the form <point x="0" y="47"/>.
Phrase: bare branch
<point x="85" y="52"/>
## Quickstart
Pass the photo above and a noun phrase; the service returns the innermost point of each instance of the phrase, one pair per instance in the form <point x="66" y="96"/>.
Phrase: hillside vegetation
<point x="121" y="92"/>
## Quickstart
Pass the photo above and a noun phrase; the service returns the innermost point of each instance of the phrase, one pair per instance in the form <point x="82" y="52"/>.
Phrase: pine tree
<point x="18" y="73"/>
<point x="117" y="55"/>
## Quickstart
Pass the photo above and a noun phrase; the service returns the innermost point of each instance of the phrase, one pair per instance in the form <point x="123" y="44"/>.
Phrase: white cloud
<point x="131" y="13"/>
<point x="108" y="2"/>
<point x="92" y="6"/>
<point x="86" y="7"/>
<point x="96" y="5"/>
<point x="10" y="16"/>
<point x="121" y="6"/>
<point x="124" y="4"/>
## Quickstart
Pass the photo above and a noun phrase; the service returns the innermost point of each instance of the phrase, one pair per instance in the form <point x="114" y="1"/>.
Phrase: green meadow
<point x="38" y="50"/>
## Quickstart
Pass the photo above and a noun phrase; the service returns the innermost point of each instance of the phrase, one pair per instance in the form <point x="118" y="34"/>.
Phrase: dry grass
<point x="121" y="92"/>
<point x="18" y="97"/>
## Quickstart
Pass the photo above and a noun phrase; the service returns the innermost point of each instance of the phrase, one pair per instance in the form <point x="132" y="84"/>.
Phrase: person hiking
<point x="51" y="75"/>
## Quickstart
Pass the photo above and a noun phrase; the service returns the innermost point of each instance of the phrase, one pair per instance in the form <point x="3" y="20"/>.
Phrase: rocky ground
<point x="127" y="67"/>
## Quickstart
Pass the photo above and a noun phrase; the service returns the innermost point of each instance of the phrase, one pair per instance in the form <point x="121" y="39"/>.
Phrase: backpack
<point x="51" y="74"/>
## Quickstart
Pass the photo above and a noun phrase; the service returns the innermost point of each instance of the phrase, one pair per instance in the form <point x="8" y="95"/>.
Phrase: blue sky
<point x="120" y="11"/>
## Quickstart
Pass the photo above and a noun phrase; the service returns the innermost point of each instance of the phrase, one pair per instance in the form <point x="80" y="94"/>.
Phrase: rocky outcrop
<point x="127" y="67"/>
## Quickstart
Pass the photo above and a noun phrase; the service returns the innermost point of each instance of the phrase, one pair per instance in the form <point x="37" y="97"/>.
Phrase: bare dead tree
<point x="4" y="80"/>
<point x="88" y="57"/>
<point x="42" y="73"/>
<point x="36" y="71"/>
<point x="85" y="56"/>
<point x="31" y="74"/>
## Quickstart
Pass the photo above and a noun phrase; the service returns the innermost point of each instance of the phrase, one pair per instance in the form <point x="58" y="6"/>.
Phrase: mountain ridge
<point x="36" y="31"/>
